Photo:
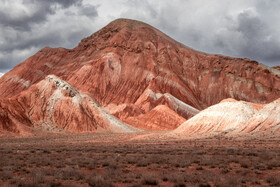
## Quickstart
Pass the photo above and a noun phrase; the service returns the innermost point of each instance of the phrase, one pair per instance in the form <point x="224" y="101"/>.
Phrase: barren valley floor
<point x="125" y="160"/>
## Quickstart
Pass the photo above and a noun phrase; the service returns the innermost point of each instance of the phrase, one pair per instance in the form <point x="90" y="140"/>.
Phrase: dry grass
<point x="85" y="160"/>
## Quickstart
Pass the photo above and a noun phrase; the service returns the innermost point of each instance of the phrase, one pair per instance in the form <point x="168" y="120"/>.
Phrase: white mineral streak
<point x="25" y="83"/>
<point x="77" y="98"/>
<point x="177" y="104"/>
<point x="225" y="116"/>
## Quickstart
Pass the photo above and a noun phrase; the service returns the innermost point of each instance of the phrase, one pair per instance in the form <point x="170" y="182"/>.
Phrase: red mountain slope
<point x="124" y="62"/>
<point x="53" y="105"/>
<point x="159" y="118"/>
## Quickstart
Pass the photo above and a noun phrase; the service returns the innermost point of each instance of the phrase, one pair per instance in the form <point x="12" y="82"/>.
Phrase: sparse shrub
<point x="258" y="172"/>
<point x="273" y="164"/>
<point x="84" y="164"/>
<point x="113" y="171"/>
<point x="224" y="171"/>
<point x="69" y="173"/>
<point x="15" y="181"/>
<point x="45" y="151"/>
<point x="143" y="163"/>
<point x="177" y="178"/>
<point x="172" y="163"/>
<point x="230" y="150"/>
<point x="204" y="185"/>
<point x="244" y="165"/>
<point x="131" y="160"/>
<point x="164" y="178"/>
<point x="273" y="180"/>
<point x="105" y="164"/>
<point x="194" y="179"/>
<point x="179" y="185"/>
<point x="36" y="179"/>
<point x="26" y="170"/>
<point x="98" y="181"/>
<point x="6" y="175"/>
<point x="149" y="181"/>
<point x="92" y="165"/>
<point x="252" y="154"/>
<point x="227" y="180"/>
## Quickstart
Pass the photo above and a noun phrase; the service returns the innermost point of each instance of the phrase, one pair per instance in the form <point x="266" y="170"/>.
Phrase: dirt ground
<point x="123" y="160"/>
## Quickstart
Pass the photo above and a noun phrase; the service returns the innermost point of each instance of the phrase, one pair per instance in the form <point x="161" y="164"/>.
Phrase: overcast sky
<point x="236" y="28"/>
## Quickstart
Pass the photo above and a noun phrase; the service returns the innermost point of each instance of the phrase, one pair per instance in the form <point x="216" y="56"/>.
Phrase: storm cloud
<point x="22" y="15"/>
<point x="247" y="29"/>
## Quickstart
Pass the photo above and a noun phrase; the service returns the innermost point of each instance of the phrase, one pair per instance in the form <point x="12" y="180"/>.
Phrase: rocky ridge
<point x="53" y="105"/>
<point x="234" y="118"/>
<point x="132" y="69"/>
<point x="277" y="67"/>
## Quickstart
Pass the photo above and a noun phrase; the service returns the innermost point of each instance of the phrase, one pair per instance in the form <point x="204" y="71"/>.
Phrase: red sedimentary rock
<point x="130" y="68"/>
<point x="277" y="67"/>
<point x="159" y="118"/>
<point x="53" y="105"/>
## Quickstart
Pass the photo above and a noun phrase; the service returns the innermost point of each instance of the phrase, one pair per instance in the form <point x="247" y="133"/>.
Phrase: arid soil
<point x="125" y="160"/>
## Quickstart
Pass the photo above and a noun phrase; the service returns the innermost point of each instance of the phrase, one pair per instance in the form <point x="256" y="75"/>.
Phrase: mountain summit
<point x="131" y="69"/>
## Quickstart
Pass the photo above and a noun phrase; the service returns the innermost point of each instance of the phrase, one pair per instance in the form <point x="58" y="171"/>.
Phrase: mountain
<point x="234" y="118"/>
<point x="1" y="74"/>
<point x="136" y="72"/>
<point x="277" y="67"/>
<point x="53" y="105"/>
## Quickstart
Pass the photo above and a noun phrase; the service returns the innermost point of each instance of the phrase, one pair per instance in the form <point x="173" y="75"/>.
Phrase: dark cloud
<point x="259" y="39"/>
<point x="89" y="10"/>
<point x="250" y="26"/>
<point x="28" y="26"/>
<point x="32" y="12"/>
<point x="239" y="29"/>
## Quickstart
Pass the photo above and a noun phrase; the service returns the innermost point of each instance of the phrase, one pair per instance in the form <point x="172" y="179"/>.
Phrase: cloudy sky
<point x="236" y="28"/>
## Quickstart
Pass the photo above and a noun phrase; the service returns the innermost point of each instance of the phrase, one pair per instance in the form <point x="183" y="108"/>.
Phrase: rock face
<point x="233" y="118"/>
<point x="53" y="105"/>
<point x="277" y="67"/>
<point x="159" y="118"/>
<point x="267" y="120"/>
<point x="130" y="68"/>
<point x="12" y="118"/>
